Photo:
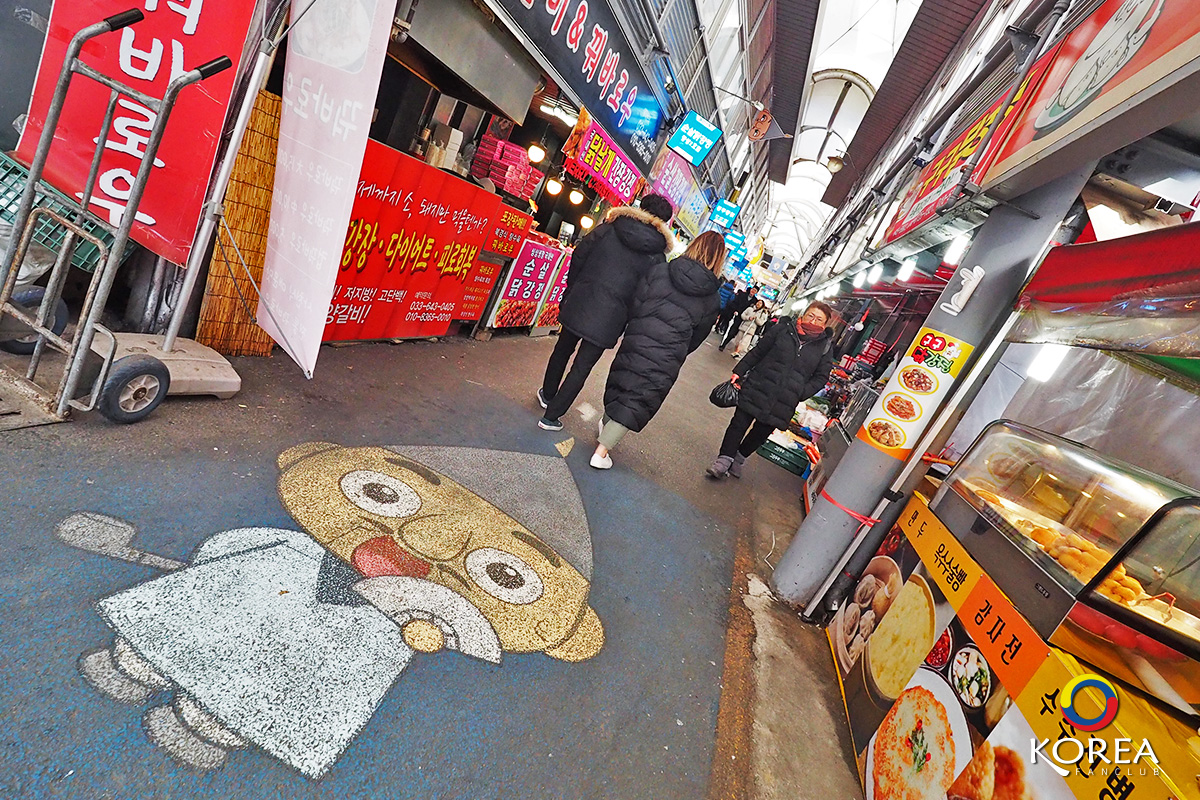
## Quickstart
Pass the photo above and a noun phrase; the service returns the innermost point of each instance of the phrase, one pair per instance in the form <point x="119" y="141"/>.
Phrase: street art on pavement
<point x="289" y="640"/>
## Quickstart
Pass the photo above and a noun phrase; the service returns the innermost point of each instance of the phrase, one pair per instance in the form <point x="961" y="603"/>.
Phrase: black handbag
<point x="724" y="395"/>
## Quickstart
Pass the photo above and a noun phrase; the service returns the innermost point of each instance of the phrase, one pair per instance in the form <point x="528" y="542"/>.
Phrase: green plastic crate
<point x="47" y="232"/>
<point x="794" y="461"/>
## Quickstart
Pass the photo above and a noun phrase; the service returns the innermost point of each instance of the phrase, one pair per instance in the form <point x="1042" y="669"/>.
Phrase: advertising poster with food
<point x="1001" y="768"/>
<point x="547" y="315"/>
<point x="411" y="250"/>
<point x="922" y="380"/>
<point x="527" y="283"/>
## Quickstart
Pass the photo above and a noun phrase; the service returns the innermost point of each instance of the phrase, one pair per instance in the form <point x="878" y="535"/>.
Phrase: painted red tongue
<point x="382" y="556"/>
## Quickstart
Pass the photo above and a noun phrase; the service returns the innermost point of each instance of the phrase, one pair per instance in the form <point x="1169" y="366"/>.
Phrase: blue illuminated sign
<point x="725" y="213"/>
<point x="694" y="139"/>
<point x="734" y="240"/>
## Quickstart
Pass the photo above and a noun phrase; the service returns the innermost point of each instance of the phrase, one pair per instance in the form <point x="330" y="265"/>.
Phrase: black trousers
<point x="560" y="393"/>
<point x="734" y="326"/>
<point x="723" y="319"/>
<point x="744" y="435"/>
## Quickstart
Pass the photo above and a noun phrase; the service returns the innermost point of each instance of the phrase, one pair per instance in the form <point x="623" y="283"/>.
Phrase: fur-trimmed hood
<point x="637" y="237"/>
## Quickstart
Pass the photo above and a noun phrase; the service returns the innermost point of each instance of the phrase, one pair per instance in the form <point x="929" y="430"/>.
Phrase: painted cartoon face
<point x="388" y="515"/>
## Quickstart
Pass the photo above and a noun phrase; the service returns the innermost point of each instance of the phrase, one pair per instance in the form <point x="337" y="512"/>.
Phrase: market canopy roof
<point x="1139" y="294"/>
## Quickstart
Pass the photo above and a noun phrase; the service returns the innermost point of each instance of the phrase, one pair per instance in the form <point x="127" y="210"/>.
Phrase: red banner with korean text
<point x="411" y="250"/>
<point x="502" y="243"/>
<point x="548" y="314"/>
<point x="526" y="285"/>
<point x="175" y="36"/>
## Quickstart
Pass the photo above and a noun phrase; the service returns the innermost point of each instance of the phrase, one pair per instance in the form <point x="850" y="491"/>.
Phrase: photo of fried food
<point x="914" y="749"/>
<point x="978" y="780"/>
<point x="902" y="407"/>
<point x="886" y="433"/>
<point x="918" y="379"/>
<point x="1010" y="776"/>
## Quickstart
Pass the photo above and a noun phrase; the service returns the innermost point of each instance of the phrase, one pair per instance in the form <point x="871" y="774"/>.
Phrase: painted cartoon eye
<point x="504" y="576"/>
<point x="377" y="493"/>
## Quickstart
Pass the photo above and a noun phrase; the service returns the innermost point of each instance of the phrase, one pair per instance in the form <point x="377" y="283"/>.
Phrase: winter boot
<point x="735" y="469"/>
<point x="720" y="467"/>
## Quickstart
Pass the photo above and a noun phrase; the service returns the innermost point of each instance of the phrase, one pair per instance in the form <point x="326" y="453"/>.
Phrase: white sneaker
<point x="601" y="462"/>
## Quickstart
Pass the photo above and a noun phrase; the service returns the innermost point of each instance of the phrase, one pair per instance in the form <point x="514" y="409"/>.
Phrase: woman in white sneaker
<point x="672" y="313"/>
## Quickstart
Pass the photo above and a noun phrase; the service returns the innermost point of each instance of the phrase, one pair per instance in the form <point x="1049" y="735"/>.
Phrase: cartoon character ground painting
<point x="289" y="641"/>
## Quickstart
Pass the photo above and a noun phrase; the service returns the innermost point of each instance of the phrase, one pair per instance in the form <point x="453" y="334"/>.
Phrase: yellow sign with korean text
<point x="911" y="398"/>
<point x="947" y="561"/>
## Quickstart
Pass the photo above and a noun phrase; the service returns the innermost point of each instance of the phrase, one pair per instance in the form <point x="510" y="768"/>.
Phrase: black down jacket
<point x="606" y="269"/>
<point x="781" y="370"/>
<point x="672" y="313"/>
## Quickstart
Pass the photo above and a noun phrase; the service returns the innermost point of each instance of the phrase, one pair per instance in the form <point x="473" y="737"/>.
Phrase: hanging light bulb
<point x="536" y="153"/>
<point x="860" y="278"/>
<point x="576" y="197"/>
<point x="875" y="274"/>
<point x="586" y="222"/>
<point x="956" y="250"/>
<point x="553" y="186"/>
<point x="907" y="268"/>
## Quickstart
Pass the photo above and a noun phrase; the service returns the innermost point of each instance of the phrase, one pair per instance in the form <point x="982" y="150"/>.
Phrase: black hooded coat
<point x="606" y="268"/>
<point x="781" y="370"/>
<point x="673" y="311"/>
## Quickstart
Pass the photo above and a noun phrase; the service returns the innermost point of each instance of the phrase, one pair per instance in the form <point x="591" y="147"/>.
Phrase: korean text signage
<point x="694" y="138"/>
<point x="409" y="263"/>
<point x="1123" y="48"/>
<point x="583" y="42"/>
<point x="912" y="395"/>
<point x="673" y="179"/>
<point x="334" y="61"/>
<point x="548" y="313"/>
<point x="503" y="242"/>
<point x="599" y="158"/>
<point x="937" y="180"/>
<point x="725" y="213"/>
<point x="173" y="38"/>
<point x="509" y="231"/>
<point x="526" y="285"/>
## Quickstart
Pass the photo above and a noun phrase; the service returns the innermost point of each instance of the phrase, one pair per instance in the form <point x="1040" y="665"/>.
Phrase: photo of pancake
<point x="885" y="433"/>
<point x="918" y="379"/>
<point x="902" y="407"/>
<point x="901" y="640"/>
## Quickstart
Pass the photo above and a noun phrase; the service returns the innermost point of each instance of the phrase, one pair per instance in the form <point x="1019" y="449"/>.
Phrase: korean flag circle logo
<point x="1070" y="709"/>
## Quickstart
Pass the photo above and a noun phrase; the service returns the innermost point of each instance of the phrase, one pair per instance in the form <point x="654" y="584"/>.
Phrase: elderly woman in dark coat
<point x="790" y="363"/>
<point x="673" y="311"/>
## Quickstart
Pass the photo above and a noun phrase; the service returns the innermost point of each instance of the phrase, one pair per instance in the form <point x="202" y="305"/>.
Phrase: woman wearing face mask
<point x="790" y="363"/>
<point x="753" y="318"/>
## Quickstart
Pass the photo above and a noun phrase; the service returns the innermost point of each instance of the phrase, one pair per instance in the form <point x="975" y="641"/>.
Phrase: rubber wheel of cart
<point x="135" y="387"/>
<point x="31" y="299"/>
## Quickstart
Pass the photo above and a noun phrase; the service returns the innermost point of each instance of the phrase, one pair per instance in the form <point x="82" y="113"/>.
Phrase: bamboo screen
<point x="224" y="324"/>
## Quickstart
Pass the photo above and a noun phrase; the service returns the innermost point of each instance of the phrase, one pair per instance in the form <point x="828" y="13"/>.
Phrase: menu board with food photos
<point x="526" y="285"/>
<point x="948" y="689"/>
<point x="908" y="403"/>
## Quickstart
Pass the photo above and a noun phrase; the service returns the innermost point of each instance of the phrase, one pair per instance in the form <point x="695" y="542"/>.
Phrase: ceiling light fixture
<point x="875" y="274"/>
<point x="907" y="267"/>
<point x="553" y="186"/>
<point x="576" y="197"/>
<point x="536" y="153"/>
<point x="586" y="222"/>
<point x="860" y="278"/>
<point x="956" y="250"/>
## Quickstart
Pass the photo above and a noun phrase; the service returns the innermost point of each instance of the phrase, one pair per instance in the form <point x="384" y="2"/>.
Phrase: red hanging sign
<point x="173" y="38"/>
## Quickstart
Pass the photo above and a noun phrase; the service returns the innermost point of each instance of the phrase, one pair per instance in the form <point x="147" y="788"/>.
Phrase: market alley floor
<point x="177" y="622"/>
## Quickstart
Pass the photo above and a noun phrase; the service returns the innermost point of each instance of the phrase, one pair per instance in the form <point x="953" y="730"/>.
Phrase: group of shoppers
<point x="622" y="286"/>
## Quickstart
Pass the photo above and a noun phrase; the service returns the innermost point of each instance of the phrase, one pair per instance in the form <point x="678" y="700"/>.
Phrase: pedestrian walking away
<point x="672" y="314"/>
<point x="727" y="293"/>
<point x="740" y="302"/>
<point x="606" y="268"/>
<point x="753" y="319"/>
<point x="790" y="363"/>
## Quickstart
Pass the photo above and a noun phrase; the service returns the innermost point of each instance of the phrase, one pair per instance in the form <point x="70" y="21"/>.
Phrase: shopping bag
<point x="724" y="395"/>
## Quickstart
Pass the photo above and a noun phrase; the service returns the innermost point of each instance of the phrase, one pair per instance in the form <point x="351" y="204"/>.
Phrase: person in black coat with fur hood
<point x="606" y="268"/>
<point x="790" y="363"/>
<point x="672" y="313"/>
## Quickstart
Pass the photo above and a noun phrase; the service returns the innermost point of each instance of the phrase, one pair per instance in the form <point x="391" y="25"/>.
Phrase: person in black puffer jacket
<point x="673" y="311"/>
<point x="790" y="363"/>
<point x="606" y="269"/>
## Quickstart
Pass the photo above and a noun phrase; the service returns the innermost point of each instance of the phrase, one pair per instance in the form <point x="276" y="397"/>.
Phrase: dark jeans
<point x="560" y="393"/>
<point x="740" y="437"/>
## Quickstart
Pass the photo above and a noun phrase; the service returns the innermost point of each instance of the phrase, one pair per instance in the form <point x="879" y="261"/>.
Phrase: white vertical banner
<point x="334" y="62"/>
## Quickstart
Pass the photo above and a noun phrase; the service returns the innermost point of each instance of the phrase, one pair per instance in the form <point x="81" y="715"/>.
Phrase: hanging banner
<point x="526" y="285"/>
<point x="592" y="154"/>
<point x="913" y="394"/>
<point x="173" y="38"/>
<point x="410" y="260"/>
<point x="1116" y="54"/>
<point x="672" y="178"/>
<point x="937" y="181"/>
<point x="725" y="213"/>
<point x="694" y="139"/>
<point x="581" y="41"/>
<point x="334" y="62"/>
<point x="548" y="313"/>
